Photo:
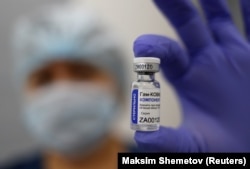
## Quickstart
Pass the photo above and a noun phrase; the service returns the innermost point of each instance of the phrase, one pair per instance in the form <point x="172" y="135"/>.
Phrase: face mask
<point x="70" y="118"/>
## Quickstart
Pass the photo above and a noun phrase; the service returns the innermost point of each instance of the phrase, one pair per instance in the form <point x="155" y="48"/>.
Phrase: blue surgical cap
<point x="66" y="32"/>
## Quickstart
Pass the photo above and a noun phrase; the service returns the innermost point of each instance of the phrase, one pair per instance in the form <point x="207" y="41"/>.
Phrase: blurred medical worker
<point x="72" y="74"/>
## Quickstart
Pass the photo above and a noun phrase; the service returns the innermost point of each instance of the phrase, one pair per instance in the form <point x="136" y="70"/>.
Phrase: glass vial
<point x="145" y="95"/>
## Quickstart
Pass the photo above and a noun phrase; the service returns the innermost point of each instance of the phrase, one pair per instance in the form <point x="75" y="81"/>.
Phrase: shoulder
<point x="30" y="162"/>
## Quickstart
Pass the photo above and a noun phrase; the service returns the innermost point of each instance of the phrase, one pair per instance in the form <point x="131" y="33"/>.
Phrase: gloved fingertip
<point x="144" y="46"/>
<point x="153" y="139"/>
<point x="146" y="141"/>
<point x="145" y="137"/>
<point x="142" y="50"/>
<point x="166" y="140"/>
<point x="174" y="60"/>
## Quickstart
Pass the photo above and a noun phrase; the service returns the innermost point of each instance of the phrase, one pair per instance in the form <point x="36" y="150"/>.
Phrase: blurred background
<point x="128" y="19"/>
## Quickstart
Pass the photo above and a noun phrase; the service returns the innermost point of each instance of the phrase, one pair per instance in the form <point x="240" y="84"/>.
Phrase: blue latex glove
<point x="211" y="78"/>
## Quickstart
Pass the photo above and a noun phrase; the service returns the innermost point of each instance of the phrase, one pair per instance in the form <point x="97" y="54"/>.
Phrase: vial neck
<point x="148" y="76"/>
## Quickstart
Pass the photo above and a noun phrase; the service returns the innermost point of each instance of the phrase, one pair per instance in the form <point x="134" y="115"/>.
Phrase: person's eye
<point x="82" y="74"/>
<point x="42" y="80"/>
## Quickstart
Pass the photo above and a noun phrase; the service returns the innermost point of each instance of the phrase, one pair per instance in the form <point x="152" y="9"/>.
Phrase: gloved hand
<point x="211" y="78"/>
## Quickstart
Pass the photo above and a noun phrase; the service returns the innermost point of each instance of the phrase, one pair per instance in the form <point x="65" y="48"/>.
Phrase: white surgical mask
<point x="70" y="118"/>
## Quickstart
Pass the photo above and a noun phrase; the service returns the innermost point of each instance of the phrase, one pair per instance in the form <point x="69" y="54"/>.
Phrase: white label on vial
<point x="145" y="106"/>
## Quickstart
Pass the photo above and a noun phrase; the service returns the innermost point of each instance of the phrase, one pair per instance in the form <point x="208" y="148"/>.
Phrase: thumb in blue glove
<point x="211" y="78"/>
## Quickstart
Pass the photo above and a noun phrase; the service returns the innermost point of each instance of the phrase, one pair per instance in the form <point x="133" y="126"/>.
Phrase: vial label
<point x="145" y="106"/>
<point x="145" y="67"/>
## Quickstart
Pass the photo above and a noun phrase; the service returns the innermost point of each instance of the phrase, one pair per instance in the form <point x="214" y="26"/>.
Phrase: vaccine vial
<point x="145" y="95"/>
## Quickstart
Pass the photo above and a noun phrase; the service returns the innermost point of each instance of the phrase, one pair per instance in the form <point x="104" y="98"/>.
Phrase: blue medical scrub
<point x="36" y="161"/>
<point x="33" y="162"/>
